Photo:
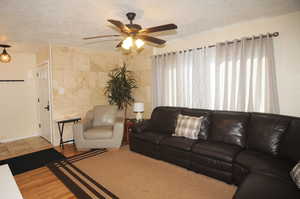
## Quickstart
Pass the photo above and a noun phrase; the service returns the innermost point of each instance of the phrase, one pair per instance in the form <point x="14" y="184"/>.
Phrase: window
<point x="237" y="75"/>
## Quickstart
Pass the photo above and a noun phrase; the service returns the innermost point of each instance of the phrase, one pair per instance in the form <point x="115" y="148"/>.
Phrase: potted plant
<point x="119" y="87"/>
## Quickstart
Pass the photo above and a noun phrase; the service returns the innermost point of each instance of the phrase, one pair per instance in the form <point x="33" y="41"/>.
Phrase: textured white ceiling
<point x="67" y="21"/>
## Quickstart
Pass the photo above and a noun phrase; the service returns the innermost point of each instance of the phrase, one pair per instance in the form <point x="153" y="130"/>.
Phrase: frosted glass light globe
<point x="5" y="57"/>
<point x="127" y="43"/>
<point x="139" y="43"/>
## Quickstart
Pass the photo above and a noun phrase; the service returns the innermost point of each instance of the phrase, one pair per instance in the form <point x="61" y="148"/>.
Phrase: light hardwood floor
<point x="23" y="146"/>
<point x="42" y="183"/>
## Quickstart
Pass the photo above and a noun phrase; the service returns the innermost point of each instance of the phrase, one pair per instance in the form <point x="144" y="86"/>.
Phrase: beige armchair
<point x="102" y="127"/>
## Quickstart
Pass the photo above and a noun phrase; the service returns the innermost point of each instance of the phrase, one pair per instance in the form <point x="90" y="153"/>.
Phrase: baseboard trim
<point x="18" y="138"/>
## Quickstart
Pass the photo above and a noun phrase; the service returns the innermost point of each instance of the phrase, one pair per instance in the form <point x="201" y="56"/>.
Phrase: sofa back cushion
<point x="265" y="132"/>
<point x="229" y="127"/>
<point x="163" y="119"/>
<point x="290" y="145"/>
<point x="203" y="134"/>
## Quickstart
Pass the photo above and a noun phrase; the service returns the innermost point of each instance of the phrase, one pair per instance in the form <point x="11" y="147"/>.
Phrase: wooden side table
<point x="129" y="123"/>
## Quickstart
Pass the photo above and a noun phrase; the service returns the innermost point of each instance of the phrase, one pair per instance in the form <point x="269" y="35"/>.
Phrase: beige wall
<point x="287" y="51"/>
<point x="79" y="76"/>
<point x="43" y="54"/>
<point x="17" y="104"/>
<point x="140" y="64"/>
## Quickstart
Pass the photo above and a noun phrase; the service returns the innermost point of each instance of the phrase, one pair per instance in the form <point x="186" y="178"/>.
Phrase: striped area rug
<point x="124" y="174"/>
<point x="79" y="183"/>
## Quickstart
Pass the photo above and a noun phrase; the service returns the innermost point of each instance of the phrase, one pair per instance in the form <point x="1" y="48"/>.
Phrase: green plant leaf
<point x="118" y="88"/>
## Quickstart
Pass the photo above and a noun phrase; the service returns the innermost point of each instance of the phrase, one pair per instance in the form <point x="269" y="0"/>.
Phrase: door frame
<point x="45" y="64"/>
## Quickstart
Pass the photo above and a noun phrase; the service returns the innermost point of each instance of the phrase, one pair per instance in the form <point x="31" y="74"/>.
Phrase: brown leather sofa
<point x="254" y="151"/>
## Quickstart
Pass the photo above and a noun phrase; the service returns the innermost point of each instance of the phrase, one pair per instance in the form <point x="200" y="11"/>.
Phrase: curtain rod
<point x="274" y="34"/>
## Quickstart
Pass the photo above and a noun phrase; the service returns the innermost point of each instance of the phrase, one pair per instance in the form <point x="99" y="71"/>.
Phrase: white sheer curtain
<point x="237" y="75"/>
<point x="179" y="78"/>
<point x="245" y="76"/>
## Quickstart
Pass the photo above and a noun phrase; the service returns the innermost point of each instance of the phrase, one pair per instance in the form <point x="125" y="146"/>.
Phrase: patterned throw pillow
<point x="295" y="174"/>
<point x="188" y="126"/>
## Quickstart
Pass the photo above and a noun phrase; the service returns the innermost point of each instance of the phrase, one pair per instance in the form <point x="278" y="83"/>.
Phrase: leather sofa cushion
<point x="290" y="146"/>
<point x="99" y="132"/>
<point x="261" y="186"/>
<point x="266" y="164"/>
<point x="142" y="126"/>
<point x="163" y="119"/>
<point x="265" y="132"/>
<point x="203" y="134"/>
<point x="179" y="143"/>
<point x="202" y="162"/>
<point x="150" y="136"/>
<point x="229" y="127"/>
<point x="216" y="150"/>
<point x="144" y="147"/>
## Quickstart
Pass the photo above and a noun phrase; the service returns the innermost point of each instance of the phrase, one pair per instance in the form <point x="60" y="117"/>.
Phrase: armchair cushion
<point x="99" y="132"/>
<point x="104" y="115"/>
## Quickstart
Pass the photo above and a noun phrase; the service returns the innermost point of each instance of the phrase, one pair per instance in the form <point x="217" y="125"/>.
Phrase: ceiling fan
<point x="134" y="34"/>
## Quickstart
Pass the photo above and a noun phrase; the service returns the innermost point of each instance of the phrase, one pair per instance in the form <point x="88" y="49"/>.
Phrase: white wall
<point x="17" y="99"/>
<point x="287" y="51"/>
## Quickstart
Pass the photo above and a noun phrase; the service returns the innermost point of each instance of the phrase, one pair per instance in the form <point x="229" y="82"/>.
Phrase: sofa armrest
<point x="81" y="126"/>
<point x="141" y="126"/>
<point x="78" y="131"/>
<point x="86" y="123"/>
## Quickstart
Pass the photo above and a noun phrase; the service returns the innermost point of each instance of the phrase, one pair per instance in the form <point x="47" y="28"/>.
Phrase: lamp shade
<point x="138" y="107"/>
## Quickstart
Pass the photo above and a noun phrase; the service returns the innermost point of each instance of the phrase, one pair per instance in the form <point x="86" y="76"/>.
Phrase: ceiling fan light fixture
<point x="139" y="43"/>
<point x="127" y="43"/>
<point x="4" y="56"/>
<point x="136" y="36"/>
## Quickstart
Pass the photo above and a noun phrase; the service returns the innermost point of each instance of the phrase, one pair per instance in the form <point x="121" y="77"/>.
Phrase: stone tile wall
<point x="79" y="77"/>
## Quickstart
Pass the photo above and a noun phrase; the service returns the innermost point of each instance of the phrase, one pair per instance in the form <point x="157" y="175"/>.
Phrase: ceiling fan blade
<point x="170" y="26"/>
<point x="100" y="36"/>
<point x="119" y="44"/>
<point x="152" y="39"/>
<point x="120" y="25"/>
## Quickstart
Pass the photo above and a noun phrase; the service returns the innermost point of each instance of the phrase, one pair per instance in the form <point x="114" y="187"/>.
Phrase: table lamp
<point x="138" y="108"/>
